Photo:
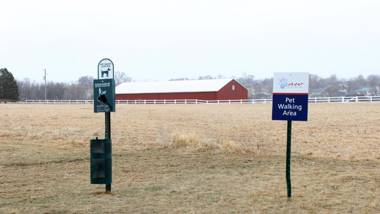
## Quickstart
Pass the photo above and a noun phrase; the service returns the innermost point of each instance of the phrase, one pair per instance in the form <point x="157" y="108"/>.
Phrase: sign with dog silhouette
<point x="101" y="149"/>
<point x="104" y="87"/>
<point x="105" y="69"/>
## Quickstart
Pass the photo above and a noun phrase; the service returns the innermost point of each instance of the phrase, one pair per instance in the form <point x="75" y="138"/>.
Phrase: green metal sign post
<point x="288" y="158"/>
<point x="107" y="136"/>
<point x="101" y="149"/>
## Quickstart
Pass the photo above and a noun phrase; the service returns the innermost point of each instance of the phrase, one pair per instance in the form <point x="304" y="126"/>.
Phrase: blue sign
<point x="290" y="107"/>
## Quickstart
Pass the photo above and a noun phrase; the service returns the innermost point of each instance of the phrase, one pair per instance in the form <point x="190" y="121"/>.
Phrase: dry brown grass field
<point x="190" y="159"/>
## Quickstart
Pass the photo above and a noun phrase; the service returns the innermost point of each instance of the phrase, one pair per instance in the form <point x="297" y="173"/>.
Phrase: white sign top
<point x="291" y="83"/>
<point x="105" y="69"/>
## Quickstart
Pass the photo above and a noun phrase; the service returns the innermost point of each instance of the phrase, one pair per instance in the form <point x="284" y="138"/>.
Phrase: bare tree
<point x="121" y="77"/>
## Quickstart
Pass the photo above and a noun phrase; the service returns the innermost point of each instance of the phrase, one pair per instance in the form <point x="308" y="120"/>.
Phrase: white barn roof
<point x="172" y="86"/>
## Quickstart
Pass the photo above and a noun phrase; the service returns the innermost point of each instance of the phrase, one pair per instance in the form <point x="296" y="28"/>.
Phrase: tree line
<point x="257" y="88"/>
<point x="78" y="90"/>
<point x="318" y="86"/>
<point x="81" y="89"/>
<point x="11" y="90"/>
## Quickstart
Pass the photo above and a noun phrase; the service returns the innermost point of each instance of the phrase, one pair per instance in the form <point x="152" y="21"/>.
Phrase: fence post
<point x="342" y="99"/>
<point x="370" y="99"/>
<point x="218" y="102"/>
<point x="315" y="99"/>
<point x="356" y="99"/>
<point x="229" y="101"/>
<point x="241" y="101"/>
<point x="196" y="101"/>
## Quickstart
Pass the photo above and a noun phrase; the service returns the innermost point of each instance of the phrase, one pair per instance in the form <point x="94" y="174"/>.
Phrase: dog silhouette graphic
<point x="106" y="72"/>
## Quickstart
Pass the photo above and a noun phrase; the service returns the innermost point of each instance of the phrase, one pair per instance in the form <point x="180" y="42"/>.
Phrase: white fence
<point x="358" y="99"/>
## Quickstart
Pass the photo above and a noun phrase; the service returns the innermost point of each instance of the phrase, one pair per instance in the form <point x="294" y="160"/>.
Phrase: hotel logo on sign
<point x="291" y="83"/>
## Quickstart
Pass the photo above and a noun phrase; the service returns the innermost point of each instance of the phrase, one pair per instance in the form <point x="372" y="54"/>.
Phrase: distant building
<point x="214" y="89"/>
<point x="362" y="92"/>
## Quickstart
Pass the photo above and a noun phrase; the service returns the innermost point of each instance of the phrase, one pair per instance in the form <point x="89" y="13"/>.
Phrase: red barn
<point x="215" y="89"/>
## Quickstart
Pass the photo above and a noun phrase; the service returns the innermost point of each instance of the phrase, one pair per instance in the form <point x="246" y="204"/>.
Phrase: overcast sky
<point x="163" y="39"/>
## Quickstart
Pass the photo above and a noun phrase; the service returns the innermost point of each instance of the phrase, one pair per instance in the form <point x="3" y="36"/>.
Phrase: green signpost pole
<point x="288" y="156"/>
<point x="101" y="149"/>
<point x="107" y="136"/>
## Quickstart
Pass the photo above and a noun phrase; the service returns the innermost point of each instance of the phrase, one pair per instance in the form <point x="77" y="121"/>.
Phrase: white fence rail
<point x="358" y="99"/>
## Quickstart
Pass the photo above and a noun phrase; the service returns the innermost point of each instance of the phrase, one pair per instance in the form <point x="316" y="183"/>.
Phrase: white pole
<point x="45" y="82"/>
